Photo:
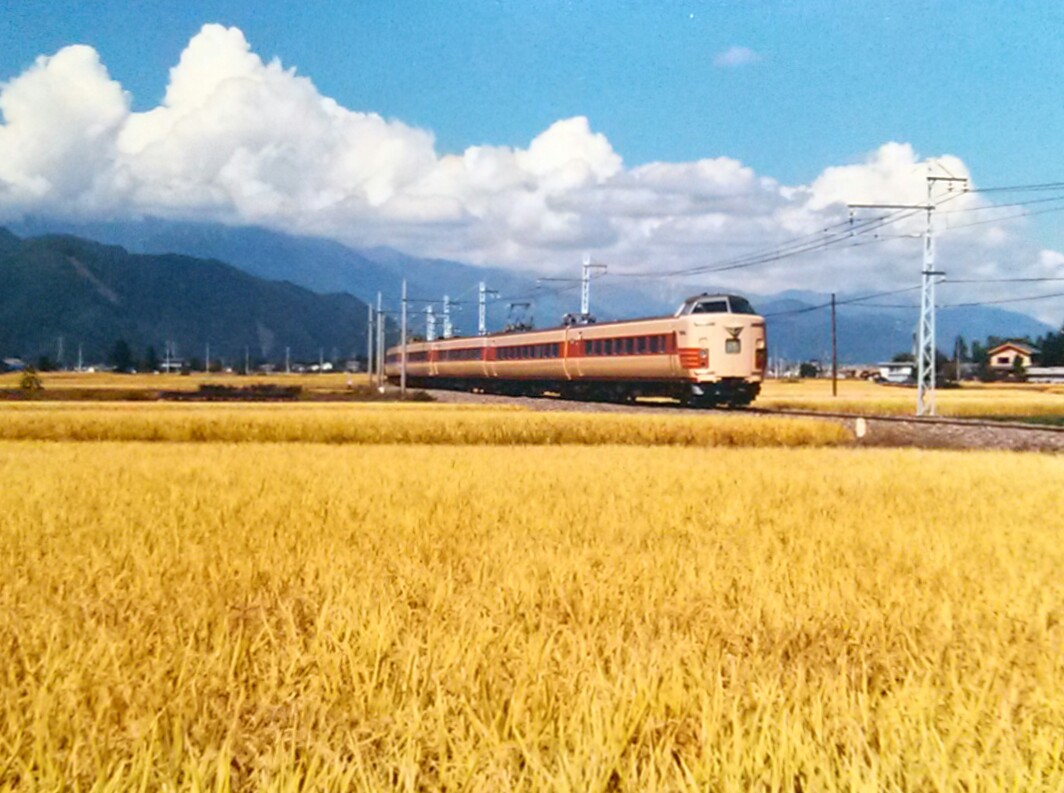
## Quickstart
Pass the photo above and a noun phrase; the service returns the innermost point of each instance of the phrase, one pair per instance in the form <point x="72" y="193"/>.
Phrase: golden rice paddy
<point x="972" y="400"/>
<point x="390" y="612"/>
<point x="421" y="423"/>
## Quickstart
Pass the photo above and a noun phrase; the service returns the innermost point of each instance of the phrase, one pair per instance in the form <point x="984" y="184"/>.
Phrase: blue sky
<point x="981" y="80"/>
<point x="657" y="136"/>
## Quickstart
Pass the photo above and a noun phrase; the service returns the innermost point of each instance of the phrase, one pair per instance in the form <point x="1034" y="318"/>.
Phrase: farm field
<point x="855" y="396"/>
<point x="390" y="423"/>
<point x="99" y="384"/>
<point x="564" y="613"/>
<point x="1018" y="400"/>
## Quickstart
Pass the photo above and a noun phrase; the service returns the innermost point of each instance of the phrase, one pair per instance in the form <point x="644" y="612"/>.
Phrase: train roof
<point x="688" y="303"/>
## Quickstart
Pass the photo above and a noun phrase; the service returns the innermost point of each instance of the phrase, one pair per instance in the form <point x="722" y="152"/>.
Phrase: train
<point x="711" y="352"/>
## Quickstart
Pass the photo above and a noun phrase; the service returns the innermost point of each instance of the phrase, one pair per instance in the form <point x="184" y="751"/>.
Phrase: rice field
<point x="327" y="382"/>
<point x="421" y="423"/>
<point x="971" y="400"/>
<point x="486" y="613"/>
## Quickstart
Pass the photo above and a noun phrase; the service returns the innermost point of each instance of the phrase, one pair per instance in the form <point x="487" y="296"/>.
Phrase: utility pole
<point x="448" y="328"/>
<point x="834" y="351"/>
<point x="585" y="285"/>
<point x="81" y="364"/>
<point x="482" y="308"/>
<point x="380" y="342"/>
<point x="207" y="359"/>
<point x="925" y="355"/>
<point x="247" y="359"/>
<point x="402" y="343"/>
<point x="288" y="360"/>
<point x="369" y="340"/>
<point x="957" y="355"/>
<point x="59" y="354"/>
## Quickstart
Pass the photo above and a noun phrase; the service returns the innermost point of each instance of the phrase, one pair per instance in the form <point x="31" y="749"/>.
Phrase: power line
<point x="987" y="207"/>
<point x="1001" y="219"/>
<point x="848" y="301"/>
<point x="1018" y="187"/>
<point x="971" y="304"/>
<point x="1001" y="280"/>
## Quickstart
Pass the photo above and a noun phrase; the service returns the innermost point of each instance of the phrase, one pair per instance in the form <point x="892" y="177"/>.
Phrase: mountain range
<point x="93" y="295"/>
<point x="798" y="330"/>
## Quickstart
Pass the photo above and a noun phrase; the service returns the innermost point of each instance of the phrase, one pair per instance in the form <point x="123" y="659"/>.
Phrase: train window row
<point x="411" y="357"/>
<point x="528" y="351"/>
<point x="630" y="345"/>
<point x="463" y="354"/>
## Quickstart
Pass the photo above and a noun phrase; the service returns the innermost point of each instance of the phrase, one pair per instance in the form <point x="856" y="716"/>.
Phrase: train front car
<point x="722" y="350"/>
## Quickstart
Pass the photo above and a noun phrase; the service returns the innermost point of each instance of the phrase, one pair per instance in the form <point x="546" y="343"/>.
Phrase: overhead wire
<point x="843" y="302"/>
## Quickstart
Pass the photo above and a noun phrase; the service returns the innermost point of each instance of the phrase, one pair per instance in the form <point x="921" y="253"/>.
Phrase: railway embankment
<point x="883" y="431"/>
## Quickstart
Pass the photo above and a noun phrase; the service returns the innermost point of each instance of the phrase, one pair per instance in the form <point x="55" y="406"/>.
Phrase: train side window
<point x="640" y="345"/>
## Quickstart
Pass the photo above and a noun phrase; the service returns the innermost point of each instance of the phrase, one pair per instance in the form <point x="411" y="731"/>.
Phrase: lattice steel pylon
<point x="925" y="354"/>
<point x="585" y="284"/>
<point x="925" y="367"/>
<point x="925" y="357"/>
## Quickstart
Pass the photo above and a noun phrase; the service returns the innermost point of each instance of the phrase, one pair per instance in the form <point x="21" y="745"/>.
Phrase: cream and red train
<point x="711" y="351"/>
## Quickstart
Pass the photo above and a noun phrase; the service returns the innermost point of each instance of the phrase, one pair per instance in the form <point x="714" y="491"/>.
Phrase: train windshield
<point x="719" y="306"/>
<point x="740" y="305"/>
<point x="716" y="304"/>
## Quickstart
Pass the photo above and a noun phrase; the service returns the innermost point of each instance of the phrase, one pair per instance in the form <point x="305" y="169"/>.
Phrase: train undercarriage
<point x="728" y="392"/>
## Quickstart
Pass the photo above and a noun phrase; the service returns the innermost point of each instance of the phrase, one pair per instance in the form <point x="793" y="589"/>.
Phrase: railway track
<point x="938" y="432"/>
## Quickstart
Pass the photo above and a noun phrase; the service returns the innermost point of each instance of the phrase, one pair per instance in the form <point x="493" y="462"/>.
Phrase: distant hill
<point x="94" y="295"/>
<point x="869" y="335"/>
<point x="326" y="266"/>
<point x="866" y="334"/>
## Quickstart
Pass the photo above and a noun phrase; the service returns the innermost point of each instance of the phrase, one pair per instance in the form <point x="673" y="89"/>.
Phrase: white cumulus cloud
<point x="735" y="56"/>
<point x="241" y="140"/>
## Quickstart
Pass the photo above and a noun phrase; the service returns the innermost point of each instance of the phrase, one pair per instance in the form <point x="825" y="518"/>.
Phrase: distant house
<point x="1045" y="374"/>
<point x="897" y="372"/>
<point x="1003" y="358"/>
<point x="12" y="365"/>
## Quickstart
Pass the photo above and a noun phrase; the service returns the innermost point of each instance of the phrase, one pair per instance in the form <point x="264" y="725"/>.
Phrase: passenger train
<point x="712" y="351"/>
